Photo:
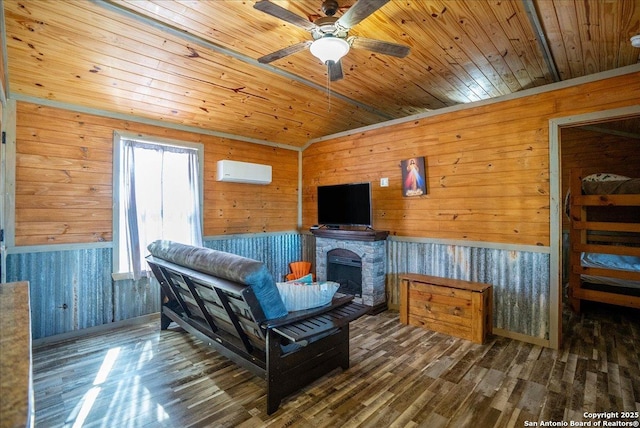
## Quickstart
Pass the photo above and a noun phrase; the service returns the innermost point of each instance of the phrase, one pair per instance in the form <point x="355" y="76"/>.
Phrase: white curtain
<point x="161" y="191"/>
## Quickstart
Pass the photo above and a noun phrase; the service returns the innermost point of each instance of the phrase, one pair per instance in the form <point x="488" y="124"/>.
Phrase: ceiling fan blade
<point x="284" y="52"/>
<point x="279" y="12"/>
<point x="379" y="46"/>
<point x="359" y="11"/>
<point x="335" y="70"/>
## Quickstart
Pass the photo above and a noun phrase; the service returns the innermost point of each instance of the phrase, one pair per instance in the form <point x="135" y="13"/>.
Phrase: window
<point x="157" y="195"/>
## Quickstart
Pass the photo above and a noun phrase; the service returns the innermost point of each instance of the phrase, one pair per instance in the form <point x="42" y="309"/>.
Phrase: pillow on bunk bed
<point x="605" y="176"/>
<point x="604" y="183"/>
<point x="610" y="184"/>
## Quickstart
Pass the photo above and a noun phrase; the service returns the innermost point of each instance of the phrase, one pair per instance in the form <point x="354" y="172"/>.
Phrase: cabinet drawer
<point x="455" y="314"/>
<point x="422" y="291"/>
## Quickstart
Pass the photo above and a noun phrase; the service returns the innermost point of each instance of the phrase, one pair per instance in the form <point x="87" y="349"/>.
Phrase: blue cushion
<point x="227" y="266"/>
<point x="307" y="279"/>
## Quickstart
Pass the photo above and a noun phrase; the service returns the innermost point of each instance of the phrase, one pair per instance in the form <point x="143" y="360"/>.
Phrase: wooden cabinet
<point x="451" y="306"/>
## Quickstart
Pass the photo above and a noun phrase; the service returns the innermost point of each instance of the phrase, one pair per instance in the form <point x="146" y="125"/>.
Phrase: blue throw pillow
<point x="307" y="279"/>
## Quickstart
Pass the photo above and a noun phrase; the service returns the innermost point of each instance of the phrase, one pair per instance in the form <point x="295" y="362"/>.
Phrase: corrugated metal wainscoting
<point x="274" y="250"/>
<point x="520" y="279"/>
<point x="69" y="290"/>
<point x="72" y="289"/>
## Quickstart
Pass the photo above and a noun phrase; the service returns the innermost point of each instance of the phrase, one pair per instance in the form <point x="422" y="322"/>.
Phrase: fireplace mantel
<point x="351" y="235"/>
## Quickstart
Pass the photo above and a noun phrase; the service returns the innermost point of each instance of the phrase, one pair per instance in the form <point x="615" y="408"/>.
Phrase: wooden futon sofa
<point x="232" y="304"/>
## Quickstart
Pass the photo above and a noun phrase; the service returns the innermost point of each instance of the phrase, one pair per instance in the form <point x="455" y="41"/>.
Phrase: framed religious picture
<point x="414" y="181"/>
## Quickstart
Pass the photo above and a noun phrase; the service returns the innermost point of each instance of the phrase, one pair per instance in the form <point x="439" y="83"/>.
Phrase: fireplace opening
<point x="345" y="268"/>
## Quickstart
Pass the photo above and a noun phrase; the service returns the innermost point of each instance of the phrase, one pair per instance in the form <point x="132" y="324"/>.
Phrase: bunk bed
<point x="604" y="260"/>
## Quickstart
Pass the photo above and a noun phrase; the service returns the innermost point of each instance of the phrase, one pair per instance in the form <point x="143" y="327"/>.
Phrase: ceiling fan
<point x="330" y="35"/>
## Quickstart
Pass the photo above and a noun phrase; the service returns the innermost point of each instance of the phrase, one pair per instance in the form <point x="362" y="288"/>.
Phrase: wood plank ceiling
<point x="194" y="62"/>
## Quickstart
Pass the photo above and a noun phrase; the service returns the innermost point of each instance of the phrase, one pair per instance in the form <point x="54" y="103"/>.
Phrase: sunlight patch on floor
<point x="82" y="409"/>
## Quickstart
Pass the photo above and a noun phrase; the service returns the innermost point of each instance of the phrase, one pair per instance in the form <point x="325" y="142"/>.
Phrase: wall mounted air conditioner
<point x="243" y="172"/>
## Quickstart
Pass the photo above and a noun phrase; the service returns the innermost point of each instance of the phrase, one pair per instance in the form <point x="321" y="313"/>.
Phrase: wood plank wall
<point x="64" y="179"/>
<point x="3" y="69"/>
<point x="590" y="148"/>
<point x="487" y="167"/>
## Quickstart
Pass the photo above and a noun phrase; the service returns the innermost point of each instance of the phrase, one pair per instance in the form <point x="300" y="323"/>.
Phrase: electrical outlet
<point x="384" y="182"/>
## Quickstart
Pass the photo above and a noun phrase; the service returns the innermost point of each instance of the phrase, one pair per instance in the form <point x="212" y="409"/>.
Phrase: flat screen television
<point x="344" y="205"/>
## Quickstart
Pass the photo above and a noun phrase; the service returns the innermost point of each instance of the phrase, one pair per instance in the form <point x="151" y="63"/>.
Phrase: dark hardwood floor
<point x="400" y="376"/>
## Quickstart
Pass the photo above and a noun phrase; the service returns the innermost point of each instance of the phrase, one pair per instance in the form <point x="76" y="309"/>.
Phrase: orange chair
<point x="298" y="270"/>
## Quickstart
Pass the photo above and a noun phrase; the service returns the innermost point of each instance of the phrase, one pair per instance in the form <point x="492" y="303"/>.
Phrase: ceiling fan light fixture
<point x="329" y="48"/>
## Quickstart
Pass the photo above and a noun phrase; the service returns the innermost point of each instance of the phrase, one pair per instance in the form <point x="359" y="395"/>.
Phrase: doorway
<point x="623" y="121"/>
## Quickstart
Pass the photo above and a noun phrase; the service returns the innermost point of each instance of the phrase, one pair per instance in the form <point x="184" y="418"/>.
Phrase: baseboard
<point x="522" y="337"/>
<point x="49" y="340"/>
<point x="379" y="308"/>
<point x="506" y="333"/>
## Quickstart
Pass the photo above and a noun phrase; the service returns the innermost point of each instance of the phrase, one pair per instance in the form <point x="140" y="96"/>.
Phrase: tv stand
<point x="342" y="227"/>
<point x="351" y="234"/>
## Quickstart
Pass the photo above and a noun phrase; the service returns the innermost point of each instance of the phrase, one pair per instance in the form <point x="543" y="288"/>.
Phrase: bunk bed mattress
<point x="609" y="261"/>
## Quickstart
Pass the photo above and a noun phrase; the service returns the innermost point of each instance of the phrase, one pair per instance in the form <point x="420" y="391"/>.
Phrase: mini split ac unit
<point x="243" y="172"/>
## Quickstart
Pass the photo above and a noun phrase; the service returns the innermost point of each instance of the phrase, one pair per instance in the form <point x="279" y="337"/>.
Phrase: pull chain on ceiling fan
<point x="330" y="35"/>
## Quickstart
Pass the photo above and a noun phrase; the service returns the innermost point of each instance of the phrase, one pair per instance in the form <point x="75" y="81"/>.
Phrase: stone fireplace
<point x="350" y="257"/>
